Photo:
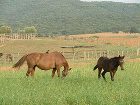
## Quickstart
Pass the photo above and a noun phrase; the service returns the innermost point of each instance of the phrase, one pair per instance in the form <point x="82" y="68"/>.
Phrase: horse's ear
<point x="70" y="69"/>
<point x="123" y="56"/>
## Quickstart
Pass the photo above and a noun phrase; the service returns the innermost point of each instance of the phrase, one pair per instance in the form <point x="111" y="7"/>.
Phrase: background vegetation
<point x="57" y="17"/>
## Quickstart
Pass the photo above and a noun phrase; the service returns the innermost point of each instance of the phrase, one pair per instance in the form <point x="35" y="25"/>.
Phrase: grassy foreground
<point x="80" y="87"/>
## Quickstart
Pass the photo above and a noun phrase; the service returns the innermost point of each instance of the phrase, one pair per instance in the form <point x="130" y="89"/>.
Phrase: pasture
<point x="81" y="86"/>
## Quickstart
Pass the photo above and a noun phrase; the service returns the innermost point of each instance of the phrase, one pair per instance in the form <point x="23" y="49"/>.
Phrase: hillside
<point x="69" y="16"/>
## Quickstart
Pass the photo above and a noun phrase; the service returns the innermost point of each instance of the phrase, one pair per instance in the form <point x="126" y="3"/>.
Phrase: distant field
<point x="100" y="40"/>
<point x="80" y="87"/>
<point x="113" y="44"/>
<point x="70" y="40"/>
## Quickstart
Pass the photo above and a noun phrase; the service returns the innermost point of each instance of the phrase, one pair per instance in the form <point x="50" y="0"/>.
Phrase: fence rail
<point x="14" y="36"/>
<point x="80" y="55"/>
<point x="95" y="54"/>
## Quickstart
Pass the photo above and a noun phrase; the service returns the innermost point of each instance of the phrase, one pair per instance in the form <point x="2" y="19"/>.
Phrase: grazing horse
<point x="44" y="61"/>
<point x="109" y="65"/>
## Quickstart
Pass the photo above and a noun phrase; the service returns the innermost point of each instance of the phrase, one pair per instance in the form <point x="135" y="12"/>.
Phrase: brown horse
<point x="109" y="65"/>
<point x="44" y="61"/>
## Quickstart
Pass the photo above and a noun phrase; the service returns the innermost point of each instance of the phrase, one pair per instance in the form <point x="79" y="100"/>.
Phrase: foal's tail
<point x="20" y="62"/>
<point x="95" y="67"/>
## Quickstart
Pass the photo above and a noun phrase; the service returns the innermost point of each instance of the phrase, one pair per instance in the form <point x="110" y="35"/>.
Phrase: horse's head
<point x="65" y="72"/>
<point x="121" y="61"/>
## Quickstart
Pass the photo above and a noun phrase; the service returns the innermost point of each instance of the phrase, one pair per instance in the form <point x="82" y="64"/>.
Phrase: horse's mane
<point x="114" y="58"/>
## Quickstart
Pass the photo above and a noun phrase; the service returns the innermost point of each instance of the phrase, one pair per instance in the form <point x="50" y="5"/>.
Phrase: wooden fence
<point x="5" y="37"/>
<point x="80" y="55"/>
<point x="95" y="54"/>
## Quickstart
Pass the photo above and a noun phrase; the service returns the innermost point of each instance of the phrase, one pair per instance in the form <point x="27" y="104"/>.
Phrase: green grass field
<point x="80" y="87"/>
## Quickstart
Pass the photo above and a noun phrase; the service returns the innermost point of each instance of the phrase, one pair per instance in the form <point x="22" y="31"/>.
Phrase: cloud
<point x="125" y="1"/>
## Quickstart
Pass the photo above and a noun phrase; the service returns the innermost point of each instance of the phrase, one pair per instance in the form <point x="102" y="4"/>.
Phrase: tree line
<point x="27" y="30"/>
<point x="62" y="17"/>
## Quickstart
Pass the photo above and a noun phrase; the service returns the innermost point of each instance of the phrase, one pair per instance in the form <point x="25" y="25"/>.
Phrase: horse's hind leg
<point x="30" y="71"/>
<point x="53" y="72"/>
<point x="103" y="75"/>
<point x="99" y="73"/>
<point x="33" y="71"/>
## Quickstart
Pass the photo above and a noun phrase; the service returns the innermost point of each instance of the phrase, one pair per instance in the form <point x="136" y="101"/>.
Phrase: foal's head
<point x="121" y="61"/>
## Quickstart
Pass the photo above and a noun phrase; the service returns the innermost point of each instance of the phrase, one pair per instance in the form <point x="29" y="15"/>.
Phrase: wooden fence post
<point x="138" y="51"/>
<point x="85" y="55"/>
<point x="108" y="53"/>
<point x="74" y="55"/>
<point x="122" y="53"/>
<point x="88" y="55"/>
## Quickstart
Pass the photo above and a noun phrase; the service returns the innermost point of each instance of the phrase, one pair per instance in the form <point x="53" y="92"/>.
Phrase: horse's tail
<point x="95" y="67"/>
<point x="20" y="62"/>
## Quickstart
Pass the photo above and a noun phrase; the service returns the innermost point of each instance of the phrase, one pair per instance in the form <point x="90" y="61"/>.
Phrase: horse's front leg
<point x="58" y="72"/>
<point x="112" y="73"/>
<point x="53" y="72"/>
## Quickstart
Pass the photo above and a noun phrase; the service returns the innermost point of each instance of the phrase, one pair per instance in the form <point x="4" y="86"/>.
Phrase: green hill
<point x="69" y="16"/>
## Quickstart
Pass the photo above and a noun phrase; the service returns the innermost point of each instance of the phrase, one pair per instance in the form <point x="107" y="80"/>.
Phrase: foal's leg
<point x="53" y="72"/>
<point x="103" y="75"/>
<point x="99" y="73"/>
<point x="112" y="73"/>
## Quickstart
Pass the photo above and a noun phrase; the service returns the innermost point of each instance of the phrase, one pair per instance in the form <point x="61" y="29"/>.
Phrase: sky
<point x="125" y="1"/>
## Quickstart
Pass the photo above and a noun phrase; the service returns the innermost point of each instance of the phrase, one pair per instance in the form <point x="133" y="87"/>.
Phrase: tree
<point x="5" y="29"/>
<point x="133" y="30"/>
<point x="21" y="31"/>
<point x="31" y="29"/>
